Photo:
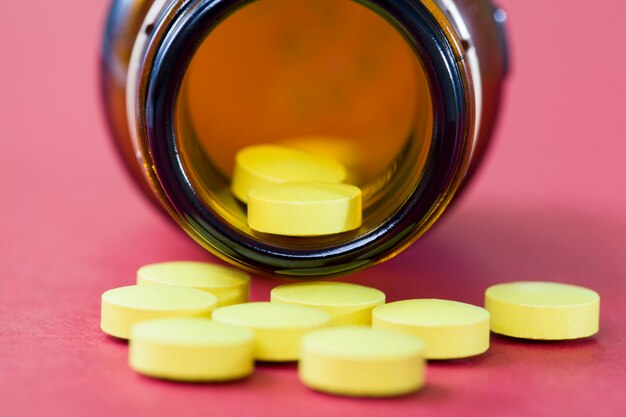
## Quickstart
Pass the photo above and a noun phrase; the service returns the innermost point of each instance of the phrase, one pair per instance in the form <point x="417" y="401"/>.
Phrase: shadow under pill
<point x="561" y="344"/>
<point x="479" y="360"/>
<point x="114" y="340"/>
<point x="198" y="384"/>
<point x="429" y="393"/>
<point x="277" y="365"/>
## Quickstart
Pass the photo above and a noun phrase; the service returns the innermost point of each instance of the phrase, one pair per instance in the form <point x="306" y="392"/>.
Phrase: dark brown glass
<point x="155" y="113"/>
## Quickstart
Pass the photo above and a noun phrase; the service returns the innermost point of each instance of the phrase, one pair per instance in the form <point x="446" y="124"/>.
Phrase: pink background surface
<point x="548" y="204"/>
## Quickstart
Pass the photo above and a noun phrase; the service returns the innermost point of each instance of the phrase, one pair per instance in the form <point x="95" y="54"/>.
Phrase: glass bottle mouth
<point x="402" y="198"/>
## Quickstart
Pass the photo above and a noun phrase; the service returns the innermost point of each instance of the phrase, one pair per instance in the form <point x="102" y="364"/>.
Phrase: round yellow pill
<point x="125" y="306"/>
<point x="191" y="349"/>
<point x="305" y="209"/>
<point x="229" y="285"/>
<point x="449" y="329"/>
<point x="277" y="328"/>
<point x="361" y="361"/>
<point x="264" y="165"/>
<point x="347" y="304"/>
<point x="543" y="310"/>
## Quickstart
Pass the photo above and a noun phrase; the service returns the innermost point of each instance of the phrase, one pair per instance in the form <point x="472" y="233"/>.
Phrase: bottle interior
<point x="331" y="77"/>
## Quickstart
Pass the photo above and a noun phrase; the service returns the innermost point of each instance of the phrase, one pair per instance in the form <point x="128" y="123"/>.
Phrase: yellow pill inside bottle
<point x="341" y="149"/>
<point x="361" y="361"/>
<point x="543" y="310"/>
<point x="229" y="285"/>
<point x="278" y="328"/>
<point x="347" y="304"/>
<point x="125" y="306"/>
<point x="263" y="165"/>
<point x="305" y="209"/>
<point x="449" y="329"/>
<point x="191" y="349"/>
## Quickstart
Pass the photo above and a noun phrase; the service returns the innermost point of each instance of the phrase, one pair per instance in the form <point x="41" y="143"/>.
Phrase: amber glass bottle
<point x="404" y="92"/>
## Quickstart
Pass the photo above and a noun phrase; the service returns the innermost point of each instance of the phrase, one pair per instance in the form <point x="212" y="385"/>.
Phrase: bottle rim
<point x="175" y="42"/>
